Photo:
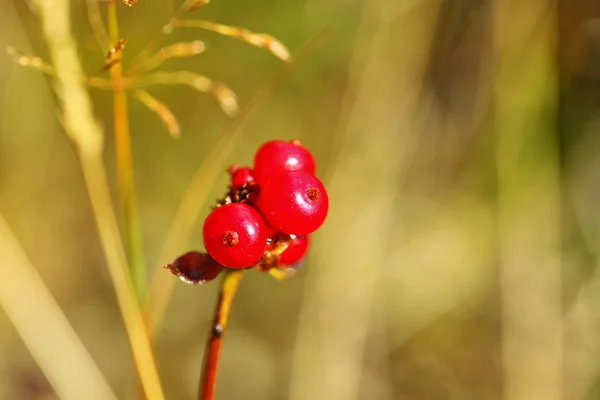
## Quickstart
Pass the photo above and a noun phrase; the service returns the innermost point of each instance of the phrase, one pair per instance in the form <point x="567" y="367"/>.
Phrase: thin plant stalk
<point x="529" y="199"/>
<point x="82" y="129"/>
<point x="59" y="348"/>
<point x="389" y="54"/>
<point x="208" y="377"/>
<point x="125" y="175"/>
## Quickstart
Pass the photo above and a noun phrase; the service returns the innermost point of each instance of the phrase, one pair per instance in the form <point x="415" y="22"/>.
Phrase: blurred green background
<point x="458" y="141"/>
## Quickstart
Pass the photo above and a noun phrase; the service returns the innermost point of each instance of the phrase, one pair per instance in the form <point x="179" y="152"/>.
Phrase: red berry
<point x="235" y="235"/>
<point x="277" y="156"/>
<point x="295" y="251"/>
<point x="295" y="203"/>
<point x="241" y="176"/>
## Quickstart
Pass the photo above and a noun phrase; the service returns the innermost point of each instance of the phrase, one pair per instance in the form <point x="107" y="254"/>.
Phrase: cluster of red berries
<point x="269" y="212"/>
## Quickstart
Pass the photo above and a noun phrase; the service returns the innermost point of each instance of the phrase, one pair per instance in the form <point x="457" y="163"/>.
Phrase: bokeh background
<point x="459" y="143"/>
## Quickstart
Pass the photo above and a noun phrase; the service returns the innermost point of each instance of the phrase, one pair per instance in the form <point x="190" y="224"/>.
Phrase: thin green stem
<point x="125" y="174"/>
<point x="208" y="377"/>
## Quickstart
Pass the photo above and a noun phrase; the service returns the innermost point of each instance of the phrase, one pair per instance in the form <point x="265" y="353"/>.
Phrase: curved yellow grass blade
<point x="176" y="50"/>
<point x="160" y="109"/>
<point x="193" y="5"/>
<point x="224" y="95"/>
<point x="38" y="64"/>
<point x="29" y="61"/>
<point x="261" y="40"/>
<point x="32" y="310"/>
<point x="97" y="24"/>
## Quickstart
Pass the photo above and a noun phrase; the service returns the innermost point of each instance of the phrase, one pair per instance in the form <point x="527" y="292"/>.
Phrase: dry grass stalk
<point x="529" y="212"/>
<point x="87" y="136"/>
<point x="32" y="310"/>
<point x="384" y="88"/>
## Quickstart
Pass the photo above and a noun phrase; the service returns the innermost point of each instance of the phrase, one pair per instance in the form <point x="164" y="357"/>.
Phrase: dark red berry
<point x="278" y="156"/>
<point x="295" y="251"/>
<point x="295" y="203"/>
<point x="241" y="176"/>
<point x="235" y="235"/>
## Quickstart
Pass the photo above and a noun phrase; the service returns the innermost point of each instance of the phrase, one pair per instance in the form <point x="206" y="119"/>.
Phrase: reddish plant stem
<point x="208" y="377"/>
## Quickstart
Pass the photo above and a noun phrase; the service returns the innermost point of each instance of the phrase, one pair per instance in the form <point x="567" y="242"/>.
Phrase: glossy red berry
<point x="235" y="235"/>
<point x="278" y="156"/>
<point x="241" y="176"/>
<point x="294" y="252"/>
<point x="295" y="203"/>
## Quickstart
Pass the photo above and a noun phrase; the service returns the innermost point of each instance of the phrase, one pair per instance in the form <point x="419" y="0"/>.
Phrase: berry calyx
<point x="295" y="203"/>
<point x="296" y="250"/>
<point x="277" y="156"/>
<point x="235" y="235"/>
<point x="230" y="238"/>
